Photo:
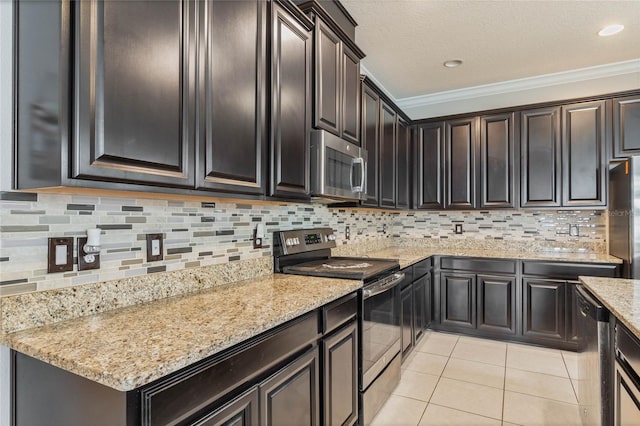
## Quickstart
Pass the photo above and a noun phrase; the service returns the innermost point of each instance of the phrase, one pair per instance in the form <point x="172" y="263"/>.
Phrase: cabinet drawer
<point x="422" y="268"/>
<point x="339" y="312"/>
<point x="496" y="266"/>
<point x="628" y="345"/>
<point x="183" y="394"/>
<point x="569" y="271"/>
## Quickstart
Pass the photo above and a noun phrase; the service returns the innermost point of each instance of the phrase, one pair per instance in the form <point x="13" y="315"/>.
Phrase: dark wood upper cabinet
<point x="497" y="161"/>
<point x="388" y="120"/>
<point x="337" y="77"/>
<point x="233" y="152"/>
<point x="134" y="92"/>
<point x="328" y="58"/>
<point x="540" y="158"/>
<point x="429" y="166"/>
<point x="290" y="104"/>
<point x="371" y="142"/>
<point x="626" y="126"/>
<point x="350" y="118"/>
<point x="404" y="161"/>
<point x="460" y="165"/>
<point x="585" y="128"/>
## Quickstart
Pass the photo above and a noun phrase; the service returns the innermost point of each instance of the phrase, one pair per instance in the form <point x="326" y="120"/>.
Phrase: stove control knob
<point x="296" y="241"/>
<point x="289" y="241"/>
<point x="331" y="237"/>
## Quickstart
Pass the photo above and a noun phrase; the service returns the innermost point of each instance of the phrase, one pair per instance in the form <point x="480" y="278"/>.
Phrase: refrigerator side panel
<point x="620" y="214"/>
<point x="634" y="223"/>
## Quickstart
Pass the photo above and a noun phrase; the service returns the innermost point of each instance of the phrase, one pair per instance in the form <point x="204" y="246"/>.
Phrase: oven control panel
<point x="303" y="240"/>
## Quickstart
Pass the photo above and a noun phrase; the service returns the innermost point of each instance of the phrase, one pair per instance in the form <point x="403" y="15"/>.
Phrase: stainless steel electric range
<point x="308" y="252"/>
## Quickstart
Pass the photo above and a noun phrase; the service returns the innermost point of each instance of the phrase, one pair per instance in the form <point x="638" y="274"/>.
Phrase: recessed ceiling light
<point x="610" y="30"/>
<point x="452" y="63"/>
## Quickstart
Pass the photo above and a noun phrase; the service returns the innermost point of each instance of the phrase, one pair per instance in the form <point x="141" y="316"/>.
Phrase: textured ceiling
<point x="406" y="41"/>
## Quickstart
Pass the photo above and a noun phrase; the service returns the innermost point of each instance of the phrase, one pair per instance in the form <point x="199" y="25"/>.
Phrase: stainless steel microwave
<point x="338" y="168"/>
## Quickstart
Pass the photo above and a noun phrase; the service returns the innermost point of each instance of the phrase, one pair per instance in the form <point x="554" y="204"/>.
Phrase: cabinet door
<point x="350" y="97"/>
<point x="134" y="92"/>
<point x="371" y="142"/>
<point x="291" y="396"/>
<point x="242" y="411"/>
<point x="428" y="300"/>
<point x="418" y="308"/>
<point x="340" y="388"/>
<point x="460" y="154"/>
<point x="497" y="304"/>
<point x="497" y="161"/>
<point x="328" y="55"/>
<point x="387" y="156"/>
<point x="540" y="176"/>
<point x="626" y="126"/>
<point x="403" y="176"/>
<point x="573" y="312"/>
<point x="429" y="167"/>
<point x="233" y="152"/>
<point x="583" y="150"/>
<point x="543" y="309"/>
<point x="458" y="299"/>
<point x="626" y="403"/>
<point x="406" y="315"/>
<point x="290" y="105"/>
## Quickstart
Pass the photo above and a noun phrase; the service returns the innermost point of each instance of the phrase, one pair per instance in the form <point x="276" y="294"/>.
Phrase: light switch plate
<point x="60" y="258"/>
<point x="155" y="247"/>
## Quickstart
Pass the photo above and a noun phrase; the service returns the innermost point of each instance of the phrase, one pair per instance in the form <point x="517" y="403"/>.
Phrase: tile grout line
<point x="438" y="382"/>
<point x="504" y="382"/>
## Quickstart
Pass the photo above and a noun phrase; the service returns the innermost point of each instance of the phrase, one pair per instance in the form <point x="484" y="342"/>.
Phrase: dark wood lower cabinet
<point x="406" y="319"/>
<point x="418" y="307"/>
<point x="573" y="312"/>
<point x="497" y="304"/>
<point x="543" y="304"/>
<point x="242" y="411"/>
<point x="458" y="299"/>
<point x="303" y="372"/>
<point x="292" y="395"/>
<point x="340" y="381"/>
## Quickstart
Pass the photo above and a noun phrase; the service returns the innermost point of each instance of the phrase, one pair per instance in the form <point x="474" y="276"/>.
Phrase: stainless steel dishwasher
<point x="594" y="363"/>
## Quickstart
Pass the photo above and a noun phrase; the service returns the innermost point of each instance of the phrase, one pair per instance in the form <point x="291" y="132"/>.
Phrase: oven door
<point x="338" y="168"/>
<point x="380" y="327"/>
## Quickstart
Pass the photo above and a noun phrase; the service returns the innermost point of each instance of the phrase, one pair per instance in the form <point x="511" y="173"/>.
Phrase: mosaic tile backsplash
<point x="201" y="234"/>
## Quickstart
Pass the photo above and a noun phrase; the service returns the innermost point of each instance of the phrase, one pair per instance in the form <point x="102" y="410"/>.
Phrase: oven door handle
<point x="381" y="288"/>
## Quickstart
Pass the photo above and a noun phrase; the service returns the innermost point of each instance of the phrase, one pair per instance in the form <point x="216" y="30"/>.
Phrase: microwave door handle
<point x="360" y="161"/>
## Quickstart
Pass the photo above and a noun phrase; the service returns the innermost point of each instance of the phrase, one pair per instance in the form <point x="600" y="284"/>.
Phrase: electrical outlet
<point x="60" y="257"/>
<point x="347" y="232"/>
<point x="155" y="247"/>
<point x="258" y="236"/>
<point x="83" y="265"/>
<point x="458" y="228"/>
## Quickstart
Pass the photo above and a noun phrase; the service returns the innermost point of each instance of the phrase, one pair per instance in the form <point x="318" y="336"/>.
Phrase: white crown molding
<point x="510" y="86"/>
<point x="378" y="83"/>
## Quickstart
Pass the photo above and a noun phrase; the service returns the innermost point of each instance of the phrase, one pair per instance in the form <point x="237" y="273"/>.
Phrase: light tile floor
<point x="458" y="380"/>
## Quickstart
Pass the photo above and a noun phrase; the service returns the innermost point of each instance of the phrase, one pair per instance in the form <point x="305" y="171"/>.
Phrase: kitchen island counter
<point x="133" y="346"/>
<point x="620" y="296"/>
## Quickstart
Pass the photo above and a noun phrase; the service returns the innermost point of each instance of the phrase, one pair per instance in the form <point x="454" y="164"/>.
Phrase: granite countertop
<point x="408" y="256"/>
<point x="621" y="296"/>
<point x="130" y="347"/>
